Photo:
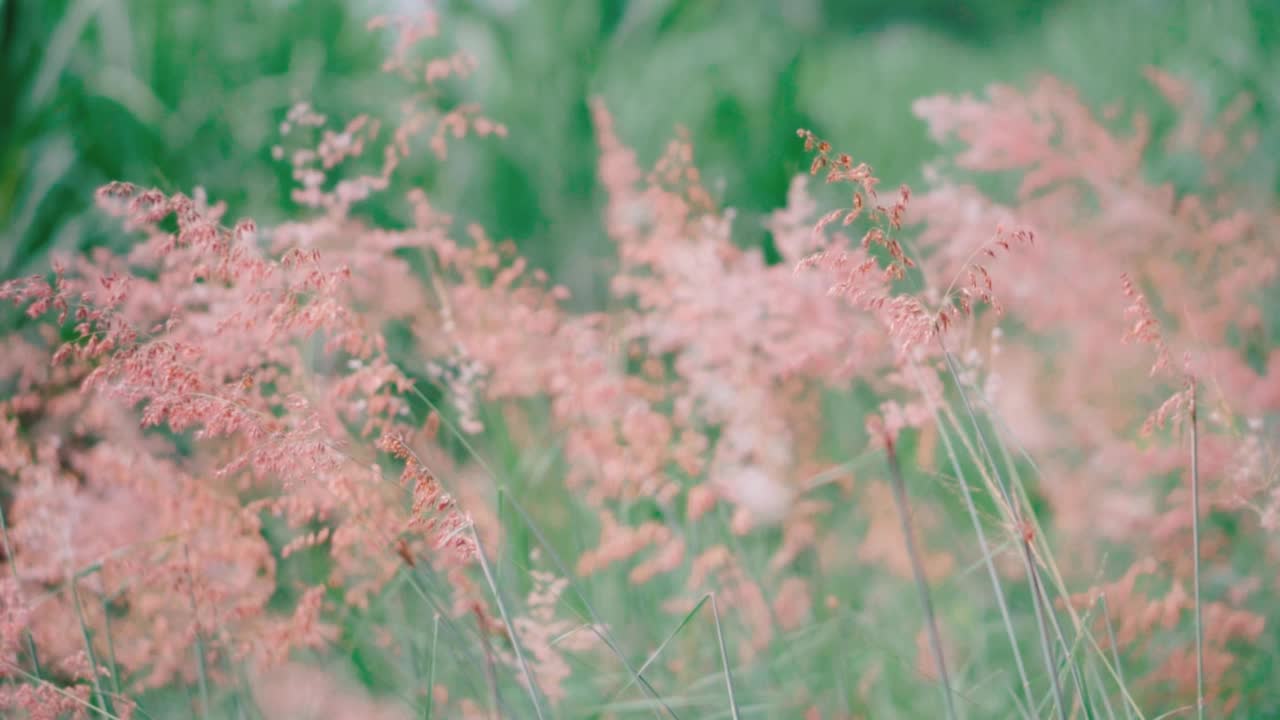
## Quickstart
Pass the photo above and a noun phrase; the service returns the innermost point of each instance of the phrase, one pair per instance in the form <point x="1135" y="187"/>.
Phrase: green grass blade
<point x="532" y="683"/>
<point x="1195" y="551"/>
<point x="917" y="569"/>
<point x="724" y="661"/>
<point x="597" y="625"/>
<point x="103" y="697"/>
<point x="987" y="554"/>
<point x="431" y="669"/>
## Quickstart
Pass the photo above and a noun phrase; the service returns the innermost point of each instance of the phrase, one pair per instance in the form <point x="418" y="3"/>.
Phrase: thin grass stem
<point x="431" y="669"/>
<point x="1033" y="573"/>
<point x="1014" y="508"/>
<point x="534" y="693"/>
<point x="1131" y="705"/>
<point x="462" y="655"/>
<point x="1195" y="550"/>
<point x="917" y="569"/>
<point x="987" y="555"/>
<point x="597" y="626"/>
<point x="103" y="697"/>
<point x="1068" y="649"/>
<point x="202" y="673"/>
<point x="111" y="647"/>
<point x="724" y="661"/>
<point x="1115" y="650"/>
<point x="60" y="691"/>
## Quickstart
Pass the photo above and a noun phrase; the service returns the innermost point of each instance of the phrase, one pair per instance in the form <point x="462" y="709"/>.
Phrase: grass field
<point x="557" y="375"/>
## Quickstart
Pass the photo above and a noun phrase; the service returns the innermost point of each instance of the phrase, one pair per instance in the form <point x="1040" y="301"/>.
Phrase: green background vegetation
<point x="180" y="94"/>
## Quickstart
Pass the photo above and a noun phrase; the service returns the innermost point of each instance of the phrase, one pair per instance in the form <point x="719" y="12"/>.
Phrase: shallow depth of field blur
<point x="592" y="359"/>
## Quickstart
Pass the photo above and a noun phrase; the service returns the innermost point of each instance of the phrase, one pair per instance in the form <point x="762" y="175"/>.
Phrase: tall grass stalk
<point x="202" y="673"/>
<point x="504" y="494"/>
<point x="724" y="661"/>
<point x="1033" y="575"/>
<point x="111" y="648"/>
<point x="917" y="569"/>
<point x="1003" y="431"/>
<point x="62" y="692"/>
<point x="534" y="694"/>
<point x="1067" y="648"/>
<point x="103" y="696"/>
<point x="987" y="554"/>
<point x="1029" y="526"/>
<point x="597" y="625"/>
<point x="1100" y="688"/>
<point x="1012" y="506"/>
<point x="1195" y="549"/>
<point x="431" y="669"/>
<point x="460" y="650"/>
<point x="1115" y="649"/>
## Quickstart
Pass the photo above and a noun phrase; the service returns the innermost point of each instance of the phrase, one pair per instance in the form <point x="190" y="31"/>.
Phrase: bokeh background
<point x="185" y="93"/>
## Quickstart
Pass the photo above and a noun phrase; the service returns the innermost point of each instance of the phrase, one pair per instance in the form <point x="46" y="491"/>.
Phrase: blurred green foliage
<point x="185" y="94"/>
